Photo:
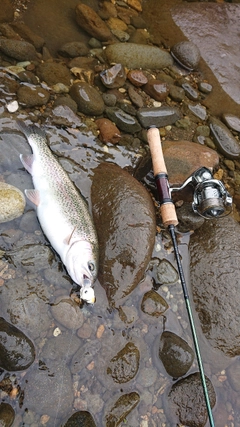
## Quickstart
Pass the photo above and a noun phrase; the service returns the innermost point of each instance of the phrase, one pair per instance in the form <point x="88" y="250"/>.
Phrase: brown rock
<point x="117" y="24"/>
<point x="88" y="19"/>
<point x="156" y="89"/>
<point x="183" y="158"/>
<point x="137" y="78"/>
<point x="27" y="34"/>
<point x="108" y="131"/>
<point x="53" y="73"/>
<point x="135" y="4"/>
<point x="31" y="96"/>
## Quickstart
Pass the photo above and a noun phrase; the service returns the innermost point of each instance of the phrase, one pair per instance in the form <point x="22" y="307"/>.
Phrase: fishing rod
<point x="169" y="219"/>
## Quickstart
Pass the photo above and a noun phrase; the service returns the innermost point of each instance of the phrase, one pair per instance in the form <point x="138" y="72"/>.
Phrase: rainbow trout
<point x="62" y="212"/>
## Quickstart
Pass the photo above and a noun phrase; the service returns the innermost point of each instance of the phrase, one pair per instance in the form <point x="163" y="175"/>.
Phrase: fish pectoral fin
<point x="33" y="196"/>
<point x="27" y="161"/>
<point x="67" y="239"/>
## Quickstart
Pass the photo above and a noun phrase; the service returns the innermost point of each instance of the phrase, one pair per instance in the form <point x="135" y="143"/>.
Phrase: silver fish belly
<point x="62" y="212"/>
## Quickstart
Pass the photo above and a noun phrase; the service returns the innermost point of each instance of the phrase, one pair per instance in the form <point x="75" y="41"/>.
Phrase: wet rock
<point x="53" y="73"/>
<point x="166" y="273"/>
<point x="7" y="414"/>
<point x="122" y="36"/>
<point x="48" y="389"/>
<point x="32" y="96"/>
<point x="28" y="77"/>
<point x="88" y="99"/>
<point x="85" y="354"/>
<point x="73" y="49"/>
<point x="122" y="407"/>
<point x="205" y="87"/>
<point x="176" y="93"/>
<point x="190" y="91"/>
<point x="62" y="115"/>
<point x="108" y="131"/>
<point x="187" y="54"/>
<point x="188" y="220"/>
<point x="233" y="375"/>
<point x="12" y="202"/>
<point x="156" y="89"/>
<point x="17" y="352"/>
<point x="124" y="121"/>
<point x="175" y="354"/>
<point x="215" y="284"/>
<point x="28" y="35"/>
<point x="232" y="121"/>
<point x="183" y="158"/>
<point x="124" y="366"/>
<point x="81" y="419"/>
<point x="125" y="219"/>
<point x="147" y="377"/>
<point x="153" y="304"/>
<point x="186" y="403"/>
<point x="17" y="49"/>
<point x="159" y="116"/>
<point x="57" y="346"/>
<point x="66" y="102"/>
<point x="224" y="139"/>
<point x="89" y="20"/>
<point x="132" y="55"/>
<point x="107" y="10"/>
<point x="67" y="313"/>
<point x="199" y="111"/>
<point x="109" y="99"/>
<point x="25" y="304"/>
<point x="115" y="23"/>
<point x="137" y="78"/>
<point x="7" y="11"/>
<point x="113" y="77"/>
<point x="135" y="97"/>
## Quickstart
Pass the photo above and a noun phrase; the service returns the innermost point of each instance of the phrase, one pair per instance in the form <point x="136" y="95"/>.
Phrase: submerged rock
<point x="114" y="77"/>
<point x="124" y="366"/>
<point x="175" y="354"/>
<point x="7" y="415"/>
<point x="133" y="55"/>
<point x="18" y="49"/>
<point x="88" y="99"/>
<point x="124" y="121"/>
<point x="214" y="273"/>
<point x="187" y="54"/>
<point x="12" y="202"/>
<point x="124" y="215"/>
<point x="122" y="407"/>
<point x="91" y="22"/>
<point x="67" y="313"/>
<point x="186" y="403"/>
<point x="153" y="304"/>
<point x="224" y="139"/>
<point x="81" y="419"/>
<point x="17" y="352"/>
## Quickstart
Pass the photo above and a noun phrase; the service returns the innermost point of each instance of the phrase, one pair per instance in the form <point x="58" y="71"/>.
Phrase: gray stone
<point x="224" y="139"/>
<point x="153" y="304"/>
<point x="123" y="121"/>
<point x="133" y="55"/>
<point x="66" y="312"/>
<point x="12" y="202"/>
<point x="187" y="54"/>
<point x="88" y="99"/>
<point x="159" y="117"/>
<point x="17" y="49"/>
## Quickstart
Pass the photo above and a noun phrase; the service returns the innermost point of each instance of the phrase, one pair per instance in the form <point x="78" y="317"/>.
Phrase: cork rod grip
<point x="168" y="211"/>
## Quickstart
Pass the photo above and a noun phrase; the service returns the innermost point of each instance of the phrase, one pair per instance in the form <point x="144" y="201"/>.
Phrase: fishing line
<point x="169" y="219"/>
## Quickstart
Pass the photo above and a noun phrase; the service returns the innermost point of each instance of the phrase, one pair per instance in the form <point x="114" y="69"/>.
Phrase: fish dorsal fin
<point x="33" y="196"/>
<point x="67" y="240"/>
<point x="27" y="161"/>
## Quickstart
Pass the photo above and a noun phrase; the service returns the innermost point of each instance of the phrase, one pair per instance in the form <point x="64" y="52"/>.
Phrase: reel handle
<point x="168" y="212"/>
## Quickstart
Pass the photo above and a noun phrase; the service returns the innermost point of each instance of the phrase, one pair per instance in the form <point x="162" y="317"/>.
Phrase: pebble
<point x="88" y="99"/>
<point x="232" y="121"/>
<point x="12" y="202"/>
<point x="199" y="111"/>
<point x="135" y="97"/>
<point x="123" y="367"/>
<point x="153" y="304"/>
<point x="67" y="313"/>
<point x="27" y="34"/>
<point x="17" y="49"/>
<point x="124" y="121"/>
<point x="108" y="131"/>
<point x="156" y="89"/>
<point x="53" y="73"/>
<point x="224" y="139"/>
<point x="205" y="87"/>
<point x="73" y="49"/>
<point x="176" y="93"/>
<point x="187" y="54"/>
<point x="32" y="96"/>
<point x="114" y="77"/>
<point x="80" y="419"/>
<point x="12" y="107"/>
<point x="137" y="78"/>
<point x="190" y="92"/>
<point x="121" y="408"/>
<point x="159" y="117"/>
<point x="132" y="55"/>
<point x="91" y="22"/>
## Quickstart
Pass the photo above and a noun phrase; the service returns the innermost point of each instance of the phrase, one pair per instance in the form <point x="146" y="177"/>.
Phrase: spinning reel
<point x="210" y="197"/>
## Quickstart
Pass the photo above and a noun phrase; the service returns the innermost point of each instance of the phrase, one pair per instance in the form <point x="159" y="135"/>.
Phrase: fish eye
<point x="91" y="266"/>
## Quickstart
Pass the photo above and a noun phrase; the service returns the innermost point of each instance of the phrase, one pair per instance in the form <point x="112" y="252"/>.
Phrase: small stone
<point x="7" y="414"/>
<point x="205" y="87"/>
<point x="115" y="23"/>
<point x="12" y="202"/>
<point x="67" y="313"/>
<point x="137" y="78"/>
<point x="124" y="121"/>
<point x="53" y="73"/>
<point x="88" y="99"/>
<point x="176" y="93"/>
<point x="18" y="49"/>
<point x="156" y="89"/>
<point x="175" y="354"/>
<point x="187" y="54"/>
<point x="159" y="117"/>
<point x="135" y="97"/>
<point x="190" y="92"/>
<point x="121" y="408"/>
<point x="91" y="22"/>
<point x="12" y="107"/>
<point x="233" y="375"/>
<point x="199" y="111"/>
<point x="32" y="96"/>
<point x="73" y="49"/>
<point x="108" y="131"/>
<point x="114" y="77"/>
<point x="166" y="273"/>
<point x="224" y="139"/>
<point x="232" y="121"/>
<point x="124" y="366"/>
<point x="153" y="304"/>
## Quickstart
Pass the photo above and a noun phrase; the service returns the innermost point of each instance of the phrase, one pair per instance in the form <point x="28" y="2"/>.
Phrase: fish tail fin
<point x="28" y="131"/>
